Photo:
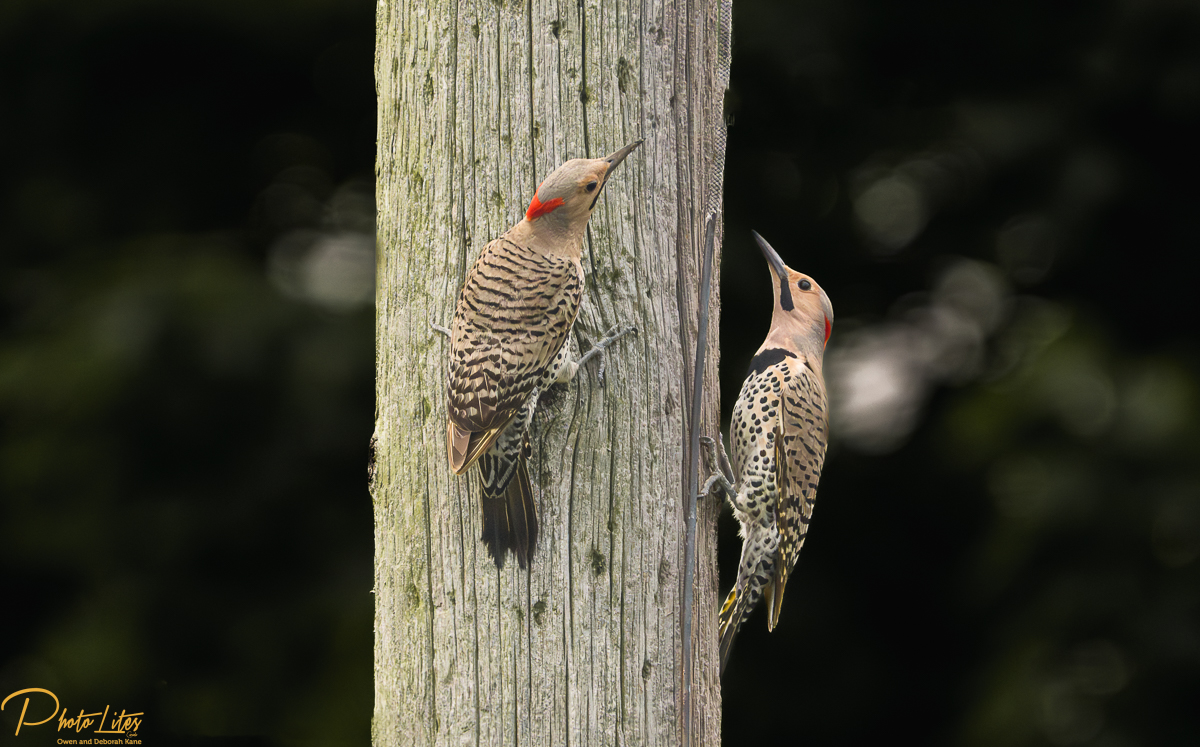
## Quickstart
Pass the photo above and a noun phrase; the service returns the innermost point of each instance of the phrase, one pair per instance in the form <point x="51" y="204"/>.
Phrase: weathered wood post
<point x="477" y="102"/>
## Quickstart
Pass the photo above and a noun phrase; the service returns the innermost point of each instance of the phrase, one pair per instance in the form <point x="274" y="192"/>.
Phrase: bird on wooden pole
<point x="511" y="339"/>
<point x="779" y="432"/>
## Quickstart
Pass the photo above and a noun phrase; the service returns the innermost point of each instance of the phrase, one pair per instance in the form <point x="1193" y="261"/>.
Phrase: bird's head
<point x="565" y="199"/>
<point x="803" y="313"/>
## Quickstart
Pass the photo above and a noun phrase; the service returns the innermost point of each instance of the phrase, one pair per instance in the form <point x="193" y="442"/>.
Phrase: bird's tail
<point x="509" y="514"/>
<point x="741" y="599"/>
<point x="756" y="577"/>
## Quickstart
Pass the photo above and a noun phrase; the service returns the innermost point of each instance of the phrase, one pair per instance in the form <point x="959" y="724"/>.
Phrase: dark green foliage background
<point x="185" y="527"/>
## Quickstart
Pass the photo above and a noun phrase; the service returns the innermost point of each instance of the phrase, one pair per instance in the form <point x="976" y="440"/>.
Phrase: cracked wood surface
<point x="477" y="102"/>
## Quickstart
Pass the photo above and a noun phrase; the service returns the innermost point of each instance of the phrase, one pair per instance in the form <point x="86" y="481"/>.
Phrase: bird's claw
<point x="709" y="484"/>
<point x="600" y="348"/>
<point x="439" y="328"/>
<point x="720" y="473"/>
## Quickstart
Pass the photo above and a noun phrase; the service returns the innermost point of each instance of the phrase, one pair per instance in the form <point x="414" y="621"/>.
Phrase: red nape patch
<point x="537" y="208"/>
<point x="828" y="329"/>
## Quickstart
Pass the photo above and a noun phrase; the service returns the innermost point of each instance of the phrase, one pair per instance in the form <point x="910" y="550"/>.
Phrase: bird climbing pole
<point x="598" y="643"/>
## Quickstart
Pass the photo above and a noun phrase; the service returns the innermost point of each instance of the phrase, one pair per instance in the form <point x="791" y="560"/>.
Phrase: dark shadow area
<point x="186" y="366"/>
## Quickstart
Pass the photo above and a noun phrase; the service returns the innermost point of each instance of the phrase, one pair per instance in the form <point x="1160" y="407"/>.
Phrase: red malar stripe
<point x="537" y="208"/>
<point x="828" y="329"/>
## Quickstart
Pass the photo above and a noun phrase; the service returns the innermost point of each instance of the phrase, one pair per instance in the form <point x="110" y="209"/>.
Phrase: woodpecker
<point x="779" y="432"/>
<point x="511" y="339"/>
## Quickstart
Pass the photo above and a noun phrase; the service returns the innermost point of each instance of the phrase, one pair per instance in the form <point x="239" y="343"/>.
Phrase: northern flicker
<point x="511" y="339"/>
<point x="778" y="433"/>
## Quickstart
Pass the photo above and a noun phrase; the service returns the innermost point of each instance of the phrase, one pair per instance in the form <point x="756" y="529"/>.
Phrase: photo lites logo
<point x="123" y="726"/>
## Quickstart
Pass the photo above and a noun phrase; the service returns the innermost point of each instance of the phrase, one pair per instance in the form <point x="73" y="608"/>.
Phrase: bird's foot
<point x="721" y="474"/>
<point x="600" y="348"/>
<point x="439" y="328"/>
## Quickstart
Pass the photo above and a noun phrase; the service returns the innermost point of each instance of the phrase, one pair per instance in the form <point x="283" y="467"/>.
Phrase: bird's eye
<point x="591" y="187"/>
<point x="804" y="285"/>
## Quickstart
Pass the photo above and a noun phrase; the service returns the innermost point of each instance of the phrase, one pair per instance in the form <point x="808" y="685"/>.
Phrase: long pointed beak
<point x="772" y="257"/>
<point x="615" y="159"/>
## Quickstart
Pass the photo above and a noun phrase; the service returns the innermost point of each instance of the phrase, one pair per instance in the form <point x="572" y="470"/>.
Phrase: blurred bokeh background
<point x="186" y="363"/>
<point x="999" y="197"/>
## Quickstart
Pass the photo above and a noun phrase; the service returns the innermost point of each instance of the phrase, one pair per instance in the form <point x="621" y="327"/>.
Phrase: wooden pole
<point x="477" y="102"/>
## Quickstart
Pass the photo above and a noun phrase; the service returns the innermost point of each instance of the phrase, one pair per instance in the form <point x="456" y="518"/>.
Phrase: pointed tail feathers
<point x="730" y="618"/>
<point x="510" y="518"/>
<point x="496" y="531"/>
<point x="733" y="613"/>
<point x="522" y="515"/>
<point x="774" y="594"/>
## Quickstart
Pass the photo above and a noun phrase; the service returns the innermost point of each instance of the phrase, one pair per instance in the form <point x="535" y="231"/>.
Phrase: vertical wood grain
<point x="477" y="102"/>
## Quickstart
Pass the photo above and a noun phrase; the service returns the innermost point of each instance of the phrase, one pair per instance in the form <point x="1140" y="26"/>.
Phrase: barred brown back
<point x="514" y="314"/>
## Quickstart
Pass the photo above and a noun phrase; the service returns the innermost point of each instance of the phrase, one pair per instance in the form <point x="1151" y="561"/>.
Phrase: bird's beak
<point x="613" y="162"/>
<point x="615" y="159"/>
<point x="772" y="257"/>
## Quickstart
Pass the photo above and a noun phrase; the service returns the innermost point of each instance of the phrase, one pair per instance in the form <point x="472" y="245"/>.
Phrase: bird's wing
<point x="514" y="313"/>
<point x="800" y="455"/>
